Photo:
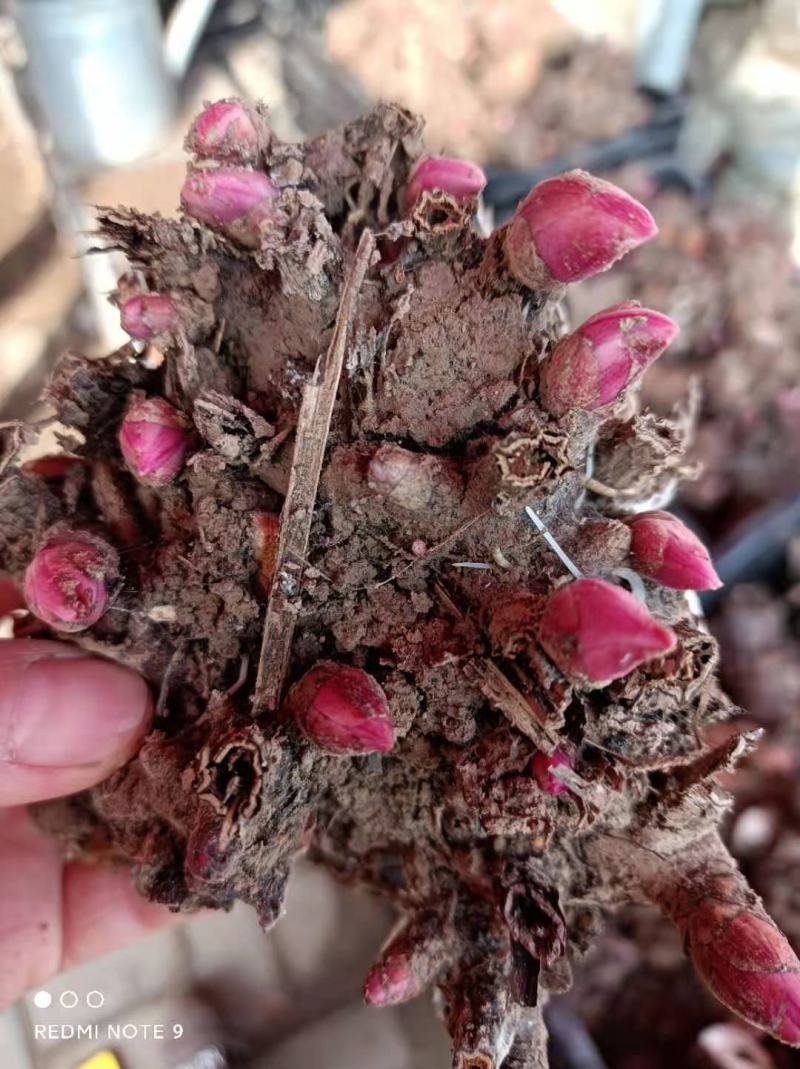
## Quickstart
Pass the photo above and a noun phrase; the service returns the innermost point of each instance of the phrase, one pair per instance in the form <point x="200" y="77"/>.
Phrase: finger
<point x="53" y="916"/>
<point x="30" y="906"/>
<point x="66" y="720"/>
<point x="103" y="911"/>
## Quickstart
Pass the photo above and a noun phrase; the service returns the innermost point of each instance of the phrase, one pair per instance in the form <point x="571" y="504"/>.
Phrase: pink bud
<point x="411" y="480"/>
<point x="389" y="982"/>
<point x="224" y="130"/>
<point x="460" y="178"/>
<point x="67" y="582"/>
<point x="748" y="964"/>
<point x="147" y="315"/>
<point x="663" y="548"/>
<point x="542" y="767"/>
<point x="227" y="195"/>
<point x="572" y="227"/>
<point x="591" y="368"/>
<point x="342" y="709"/>
<point x="153" y="440"/>
<point x="205" y="862"/>
<point x="409" y="961"/>
<point x="401" y="476"/>
<point x="597" y="632"/>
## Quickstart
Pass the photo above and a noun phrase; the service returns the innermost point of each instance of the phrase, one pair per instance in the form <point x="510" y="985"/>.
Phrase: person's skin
<point x="66" y="721"/>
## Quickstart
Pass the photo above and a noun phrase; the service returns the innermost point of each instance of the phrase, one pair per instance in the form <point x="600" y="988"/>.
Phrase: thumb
<point x="66" y="720"/>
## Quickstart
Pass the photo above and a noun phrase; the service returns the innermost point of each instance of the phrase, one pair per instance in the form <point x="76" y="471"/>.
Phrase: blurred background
<point x="692" y="106"/>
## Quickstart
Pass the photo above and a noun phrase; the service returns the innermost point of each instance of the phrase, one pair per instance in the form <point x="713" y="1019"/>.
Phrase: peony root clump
<point x="389" y="543"/>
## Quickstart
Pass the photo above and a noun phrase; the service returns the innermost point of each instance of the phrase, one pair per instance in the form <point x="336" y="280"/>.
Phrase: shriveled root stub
<point x="297" y="505"/>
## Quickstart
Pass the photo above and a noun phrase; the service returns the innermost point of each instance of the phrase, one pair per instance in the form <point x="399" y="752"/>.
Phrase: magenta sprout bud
<point x="401" y="476"/>
<point x="664" y="549"/>
<point x="595" y="631"/>
<point x="409" y="961"/>
<point x="740" y="953"/>
<point x="224" y="130"/>
<point x="461" y="179"/>
<point x="411" y="480"/>
<point x="147" y="315"/>
<point x="224" y="196"/>
<point x="572" y="227"/>
<point x="342" y="709"/>
<point x="389" y="982"/>
<point x="153" y="440"/>
<point x="591" y="368"/>
<point x="542" y="767"/>
<point x="68" y="582"/>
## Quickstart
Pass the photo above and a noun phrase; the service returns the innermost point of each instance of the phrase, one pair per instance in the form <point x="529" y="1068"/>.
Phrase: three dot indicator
<point x="68" y="1000"/>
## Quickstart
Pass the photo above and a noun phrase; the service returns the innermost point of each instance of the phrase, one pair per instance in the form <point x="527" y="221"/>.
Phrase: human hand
<point x="67" y="720"/>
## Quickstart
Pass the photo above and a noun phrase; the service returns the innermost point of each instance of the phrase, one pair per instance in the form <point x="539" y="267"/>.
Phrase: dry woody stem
<point x="311" y="438"/>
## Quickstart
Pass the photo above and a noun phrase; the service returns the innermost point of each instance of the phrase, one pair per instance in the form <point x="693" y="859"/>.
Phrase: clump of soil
<point x="353" y="383"/>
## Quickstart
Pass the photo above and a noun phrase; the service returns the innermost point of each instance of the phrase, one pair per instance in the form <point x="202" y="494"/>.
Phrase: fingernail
<point x="70" y="711"/>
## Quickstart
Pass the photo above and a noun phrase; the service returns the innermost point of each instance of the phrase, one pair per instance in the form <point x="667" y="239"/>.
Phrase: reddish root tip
<point x="267" y="531"/>
<point x="54" y="466"/>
